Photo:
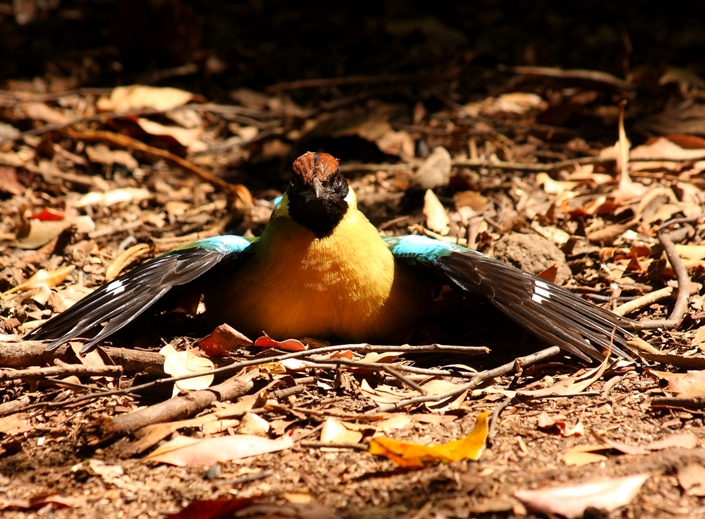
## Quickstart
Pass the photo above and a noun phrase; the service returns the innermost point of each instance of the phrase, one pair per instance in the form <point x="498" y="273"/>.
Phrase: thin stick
<point x="375" y="367"/>
<point x="681" y="305"/>
<point x="481" y="377"/>
<point x="584" y="74"/>
<point x="641" y="302"/>
<point x="495" y="416"/>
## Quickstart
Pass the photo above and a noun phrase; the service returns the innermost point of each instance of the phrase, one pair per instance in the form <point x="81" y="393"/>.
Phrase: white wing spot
<point x="542" y="292"/>
<point x="115" y="287"/>
<point x="537" y="298"/>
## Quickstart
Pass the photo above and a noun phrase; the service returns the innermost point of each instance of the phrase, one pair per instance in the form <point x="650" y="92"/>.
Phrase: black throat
<point x="319" y="215"/>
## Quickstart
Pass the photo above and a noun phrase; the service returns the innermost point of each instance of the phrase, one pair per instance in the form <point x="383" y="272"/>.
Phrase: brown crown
<point x="312" y="165"/>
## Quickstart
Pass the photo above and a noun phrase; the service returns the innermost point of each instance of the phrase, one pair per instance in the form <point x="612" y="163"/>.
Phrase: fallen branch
<point x="23" y="354"/>
<point x="176" y="408"/>
<point x="64" y="370"/>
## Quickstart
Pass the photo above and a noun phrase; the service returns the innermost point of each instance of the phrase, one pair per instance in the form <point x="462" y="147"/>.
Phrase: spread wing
<point x="119" y="302"/>
<point x="550" y="312"/>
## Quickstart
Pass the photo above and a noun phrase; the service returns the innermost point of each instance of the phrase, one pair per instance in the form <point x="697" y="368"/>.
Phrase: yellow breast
<point x="345" y="285"/>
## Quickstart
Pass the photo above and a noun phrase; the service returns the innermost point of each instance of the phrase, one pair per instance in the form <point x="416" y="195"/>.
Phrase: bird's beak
<point x="318" y="188"/>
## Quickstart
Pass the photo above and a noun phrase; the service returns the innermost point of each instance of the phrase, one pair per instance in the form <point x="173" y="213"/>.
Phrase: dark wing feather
<point x="552" y="313"/>
<point x="119" y="302"/>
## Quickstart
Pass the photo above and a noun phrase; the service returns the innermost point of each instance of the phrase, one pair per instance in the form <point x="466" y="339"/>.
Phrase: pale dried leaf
<point x="435" y="170"/>
<point x="334" y="431"/>
<point x="436" y="217"/>
<point x="183" y="451"/>
<point x="254" y="424"/>
<point x="583" y="455"/>
<point x="572" y="500"/>
<point x="133" y="97"/>
<point x="177" y="363"/>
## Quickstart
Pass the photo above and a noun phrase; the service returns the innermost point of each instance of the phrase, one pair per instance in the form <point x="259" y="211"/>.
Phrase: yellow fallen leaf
<point x="584" y="455"/>
<point x="413" y="455"/>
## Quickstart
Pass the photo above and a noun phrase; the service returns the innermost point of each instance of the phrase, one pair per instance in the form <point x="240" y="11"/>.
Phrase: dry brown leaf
<point x="398" y="143"/>
<point x="9" y="183"/>
<point x="187" y="137"/>
<point x="101" y="154"/>
<point x="13" y="424"/>
<point x="222" y="340"/>
<point x="438" y="386"/>
<point x="384" y="394"/>
<point x="559" y="426"/>
<point x="692" y="478"/>
<point x="42" y="112"/>
<point x="624" y="448"/>
<point x="675" y="441"/>
<point x="572" y="500"/>
<point x="183" y="451"/>
<point x="572" y="385"/>
<point x="685" y="385"/>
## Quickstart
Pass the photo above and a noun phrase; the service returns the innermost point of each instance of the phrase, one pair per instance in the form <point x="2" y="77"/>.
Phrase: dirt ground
<point x="518" y="120"/>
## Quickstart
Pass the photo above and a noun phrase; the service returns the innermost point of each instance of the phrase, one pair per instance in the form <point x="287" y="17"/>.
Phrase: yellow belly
<point x="346" y="285"/>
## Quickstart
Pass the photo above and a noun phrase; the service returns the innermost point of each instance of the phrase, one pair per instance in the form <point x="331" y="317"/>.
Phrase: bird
<point x="321" y="269"/>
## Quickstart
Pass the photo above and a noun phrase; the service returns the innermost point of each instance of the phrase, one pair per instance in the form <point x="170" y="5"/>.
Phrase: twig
<point x="333" y="445"/>
<point x="683" y="279"/>
<point x="237" y="191"/>
<point x="692" y="404"/>
<point x="342" y="81"/>
<point x="479" y="379"/>
<point x="328" y="364"/>
<point x="675" y="221"/>
<point x="495" y="416"/>
<point x="245" y="478"/>
<point x="365" y="417"/>
<point x="393" y="371"/>
<point x="589" y="75"/>
<point x="641" y="302"/>
<point x="65" y="370"/>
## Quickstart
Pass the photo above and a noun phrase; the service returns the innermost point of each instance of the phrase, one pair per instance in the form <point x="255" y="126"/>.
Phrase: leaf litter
<point x="134" y="184"/>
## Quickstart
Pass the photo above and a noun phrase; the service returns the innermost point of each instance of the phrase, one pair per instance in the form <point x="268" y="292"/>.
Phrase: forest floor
<point x="585" y="178"/>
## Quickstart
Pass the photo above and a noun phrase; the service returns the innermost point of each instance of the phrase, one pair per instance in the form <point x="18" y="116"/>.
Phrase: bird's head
<point x="318" y="196"/>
